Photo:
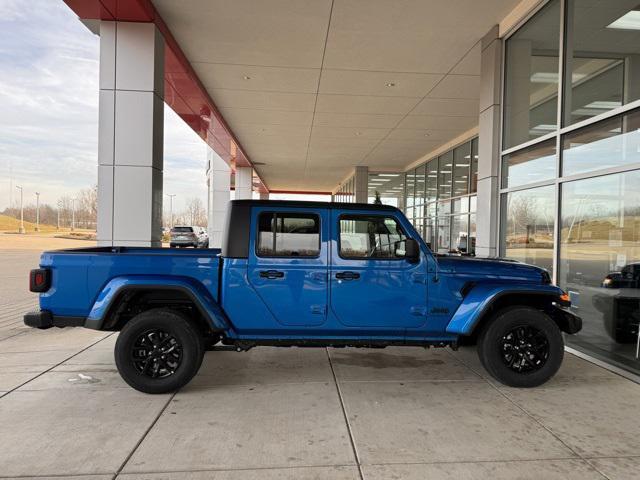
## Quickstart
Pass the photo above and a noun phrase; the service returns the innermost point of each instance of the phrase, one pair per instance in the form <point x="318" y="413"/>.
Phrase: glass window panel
<point x="461" y="205"/>
<point x="444" y="234"/>
<point x="445" y="169"/>
<point x="474" y="166"/>
<point x="599" y="263"/>
<point x="410" y="183"/>
<point x="288" y="235"/>
<point x="527" y="225"/>
<point x="390" y="187"/>
<point x="533" y="164"/>
<point x="473" y="203"/>
<point x="610" y="143"/>
<point x="373" y="237"/>
<point x="420" y="184"/>
<point x="460" y="233"/>
<point x="531" y="77"/>
<point x="430" y="231"/>
<point x="432" y="180"/>
<point x="472" y="234"/>
<point x="461" y="170"/>
<point x="602" y="58"/>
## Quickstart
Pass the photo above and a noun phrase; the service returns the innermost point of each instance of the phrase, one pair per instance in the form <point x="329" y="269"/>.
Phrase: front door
<point x="372" y="285"/>
<point x="288" y="264"/>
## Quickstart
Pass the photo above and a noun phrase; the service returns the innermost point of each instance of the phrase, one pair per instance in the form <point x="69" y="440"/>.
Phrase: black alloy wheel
<point x="524" y="349"/>
<point x="156" y="354"/>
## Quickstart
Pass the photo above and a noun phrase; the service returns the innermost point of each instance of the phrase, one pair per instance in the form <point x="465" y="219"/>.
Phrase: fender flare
<point x="111" y="293"/>
<point x="482" y="296"/>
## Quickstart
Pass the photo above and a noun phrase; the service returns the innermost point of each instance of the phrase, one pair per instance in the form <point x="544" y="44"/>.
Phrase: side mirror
<point x="408" y="249"/>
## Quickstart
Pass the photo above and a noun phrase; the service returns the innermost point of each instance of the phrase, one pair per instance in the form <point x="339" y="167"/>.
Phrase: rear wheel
<point x="159" y="351"/>
<point x="521" y="347"/>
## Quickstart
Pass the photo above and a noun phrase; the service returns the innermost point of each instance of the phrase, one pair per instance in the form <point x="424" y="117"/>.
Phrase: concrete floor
<point x="397" y="413"/>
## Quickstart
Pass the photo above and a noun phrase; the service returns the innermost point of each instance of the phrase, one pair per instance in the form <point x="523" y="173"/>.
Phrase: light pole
<point x="59" y="207"/>
<point x="37" y="211"/>
<point x="170" y="195"/>
<point x="21" y="229"/>
<point x="73" y="214"/>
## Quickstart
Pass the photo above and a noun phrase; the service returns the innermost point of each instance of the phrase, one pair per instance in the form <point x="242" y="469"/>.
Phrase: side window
<point x="288" y="235"/>
<point x="370" y="236"/>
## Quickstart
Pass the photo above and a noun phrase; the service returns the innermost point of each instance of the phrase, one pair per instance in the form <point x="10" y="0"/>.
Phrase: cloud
<point x="49" y="66"/>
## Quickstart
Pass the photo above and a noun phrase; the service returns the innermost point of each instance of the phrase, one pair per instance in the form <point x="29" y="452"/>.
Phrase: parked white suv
<point x="189" y="236"/>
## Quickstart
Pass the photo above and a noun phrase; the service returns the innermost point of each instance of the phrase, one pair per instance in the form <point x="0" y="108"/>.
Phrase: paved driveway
<point x="397" y="413"/>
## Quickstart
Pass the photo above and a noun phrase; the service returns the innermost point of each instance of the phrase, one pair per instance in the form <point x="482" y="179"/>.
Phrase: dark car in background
<point x="189" y="236"/>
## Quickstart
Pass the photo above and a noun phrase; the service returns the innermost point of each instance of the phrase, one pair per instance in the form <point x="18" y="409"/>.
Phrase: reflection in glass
<point x="603" y="65"/>
<point x="600" y="262"/>
<point x="610" y="143"/>
<point x="528" y="223"/>
<point x="533" y="164"/>
<point x="445" y="163"/>
<point x="461" y="169"/>
<point x="531" y="77"/>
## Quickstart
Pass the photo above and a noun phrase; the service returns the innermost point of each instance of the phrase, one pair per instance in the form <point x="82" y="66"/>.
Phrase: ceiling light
<point x="358" y="134"/>
<point x="390" y="84"/>
<point x="246" y="77"/>
<point x="629" y="21"/>
<point x="462" y="164"/>
<point x="388" y="174"/>
<point x="426" y="134"/>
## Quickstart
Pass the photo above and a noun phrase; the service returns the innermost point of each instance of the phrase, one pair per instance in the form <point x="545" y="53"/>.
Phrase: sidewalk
<point x="397" y="413"/>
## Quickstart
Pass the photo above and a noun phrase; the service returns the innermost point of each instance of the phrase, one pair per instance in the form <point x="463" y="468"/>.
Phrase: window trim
<point x="338" y="230"/>
<point x="276" y="214"/>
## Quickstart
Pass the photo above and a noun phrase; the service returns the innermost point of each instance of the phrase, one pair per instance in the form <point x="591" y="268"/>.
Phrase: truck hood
<point x="492" y="268"/>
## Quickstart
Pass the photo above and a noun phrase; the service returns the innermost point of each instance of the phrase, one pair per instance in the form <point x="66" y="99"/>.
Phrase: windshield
<point x="182" y="230"/>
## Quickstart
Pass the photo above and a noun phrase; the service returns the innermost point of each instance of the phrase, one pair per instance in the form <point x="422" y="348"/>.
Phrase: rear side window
<point x="370" y="236"/>
<point x="288" y="235"/>
<point x="182" y="230"/>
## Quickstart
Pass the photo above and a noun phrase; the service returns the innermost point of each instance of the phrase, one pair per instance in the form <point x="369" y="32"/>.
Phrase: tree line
<point x="85" y="203"/>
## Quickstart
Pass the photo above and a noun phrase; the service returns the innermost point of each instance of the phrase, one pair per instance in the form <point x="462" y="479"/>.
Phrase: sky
<point x="49" y="110"/>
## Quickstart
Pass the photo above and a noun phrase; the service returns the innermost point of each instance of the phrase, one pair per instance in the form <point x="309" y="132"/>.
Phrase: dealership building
<point x="500" y="127"/>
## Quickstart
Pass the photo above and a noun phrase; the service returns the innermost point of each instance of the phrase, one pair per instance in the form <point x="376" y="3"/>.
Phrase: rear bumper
<point x="44" y="319"/>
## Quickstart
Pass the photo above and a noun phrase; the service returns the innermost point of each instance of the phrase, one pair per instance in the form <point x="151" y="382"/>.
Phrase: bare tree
<point x="196" y="213"/>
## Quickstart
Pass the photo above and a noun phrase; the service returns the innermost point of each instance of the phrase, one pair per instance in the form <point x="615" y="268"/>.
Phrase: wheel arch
<point x="482" y="302"/>
<point x="122" y="298"/>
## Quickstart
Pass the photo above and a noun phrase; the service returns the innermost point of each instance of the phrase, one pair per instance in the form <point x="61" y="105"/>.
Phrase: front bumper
<point x="568" y="321"/>
<point x="43" y="319"/>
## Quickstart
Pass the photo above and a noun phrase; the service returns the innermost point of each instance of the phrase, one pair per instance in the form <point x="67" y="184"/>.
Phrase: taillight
<point x="40" y="280"/>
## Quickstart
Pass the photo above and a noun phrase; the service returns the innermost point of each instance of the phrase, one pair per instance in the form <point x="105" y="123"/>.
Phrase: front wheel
<point x="159" y="351"/>
<point x="521" y="347"/>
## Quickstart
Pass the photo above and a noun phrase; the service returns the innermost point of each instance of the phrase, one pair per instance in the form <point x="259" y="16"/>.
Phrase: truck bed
<point x="76" y="290"/>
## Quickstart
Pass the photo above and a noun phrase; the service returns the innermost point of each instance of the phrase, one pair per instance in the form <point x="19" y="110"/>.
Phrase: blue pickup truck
<point x="304" y="274"/>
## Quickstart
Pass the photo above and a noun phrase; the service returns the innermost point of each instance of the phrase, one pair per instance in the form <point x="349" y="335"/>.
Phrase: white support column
<point x="244" y="183"/>
<point x="361" y="182"/>
<point x="489" y="146"/>
<point x="131" y="122"/>
<point x="219" y="188"/>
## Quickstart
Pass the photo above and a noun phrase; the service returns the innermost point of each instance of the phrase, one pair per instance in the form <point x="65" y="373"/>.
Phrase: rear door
<point x="288" y="263"/>
<point x="371" y="285"/>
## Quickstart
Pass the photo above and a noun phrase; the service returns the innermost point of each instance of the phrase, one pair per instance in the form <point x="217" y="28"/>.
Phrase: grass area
<point x="10" y="224"/>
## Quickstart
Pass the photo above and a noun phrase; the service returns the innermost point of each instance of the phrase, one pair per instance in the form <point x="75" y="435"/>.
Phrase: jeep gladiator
<point x="304" y="274"/>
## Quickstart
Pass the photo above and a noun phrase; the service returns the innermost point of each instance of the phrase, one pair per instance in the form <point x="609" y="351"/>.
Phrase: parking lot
<point x="298" y="413"/>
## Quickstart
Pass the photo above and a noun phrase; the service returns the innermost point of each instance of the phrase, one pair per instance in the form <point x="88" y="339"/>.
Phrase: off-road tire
<point x="491" y="346"/>
<point x="188" y="339"/>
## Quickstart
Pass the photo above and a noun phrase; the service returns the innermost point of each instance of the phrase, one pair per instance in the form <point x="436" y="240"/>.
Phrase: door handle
<point x="271" y="274"/>
<point x="347" y="275"/>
